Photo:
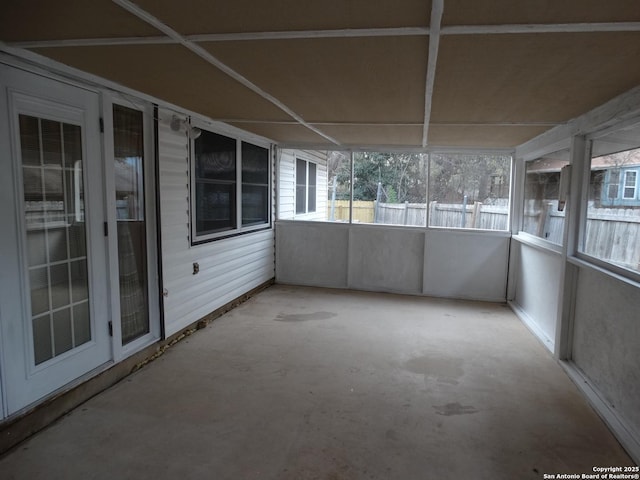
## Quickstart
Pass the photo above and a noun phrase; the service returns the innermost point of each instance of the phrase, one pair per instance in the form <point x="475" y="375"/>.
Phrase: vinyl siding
<point x="229" y="267"/>
<point x="287" y="184"/>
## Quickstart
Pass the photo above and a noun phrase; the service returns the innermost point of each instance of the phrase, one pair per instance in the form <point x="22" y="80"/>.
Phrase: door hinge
<point x="106" y="229"/>
<point x="110" y="328"/>
<point x="101" y="125"/>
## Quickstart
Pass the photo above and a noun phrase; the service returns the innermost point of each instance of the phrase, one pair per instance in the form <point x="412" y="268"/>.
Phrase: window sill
<point x="538" y="243"/>
<point x="620" y="274"/>
<point x="231" y="234"/>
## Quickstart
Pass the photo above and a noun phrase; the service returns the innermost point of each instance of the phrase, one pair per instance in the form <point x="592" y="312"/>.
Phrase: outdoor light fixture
<point x="177" y="122"/>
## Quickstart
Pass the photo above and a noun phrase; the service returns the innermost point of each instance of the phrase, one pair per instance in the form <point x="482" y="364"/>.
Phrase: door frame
<point x="109" y="99"/>
<point x="24" y="384"/>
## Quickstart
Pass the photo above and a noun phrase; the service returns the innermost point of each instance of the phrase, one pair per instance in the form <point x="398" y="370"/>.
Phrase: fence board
<point x="611" y="234"/>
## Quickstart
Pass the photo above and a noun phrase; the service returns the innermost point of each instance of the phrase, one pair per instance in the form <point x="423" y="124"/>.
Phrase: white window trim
<point x="238" y="229"/>
<point x="511" y="177"/>
<point x="306" y="187"/>
<point x="109" y="100"/>
<point x="634" y="187"/>
<point x="528" y="237"/>
<point x="600" y="264"/>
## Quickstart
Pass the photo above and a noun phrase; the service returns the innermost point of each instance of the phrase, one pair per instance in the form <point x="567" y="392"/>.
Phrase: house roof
<point x="462" y="73"/>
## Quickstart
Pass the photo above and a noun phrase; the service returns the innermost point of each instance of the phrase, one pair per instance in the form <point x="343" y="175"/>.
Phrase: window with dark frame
<point x="224" y="176"/>
<point x="215" y="183"/>
<point x="255" y="184"/>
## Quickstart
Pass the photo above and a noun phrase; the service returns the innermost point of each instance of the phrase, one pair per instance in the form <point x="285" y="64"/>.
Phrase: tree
<point x="454" y="176"/>
<point x="403" y="176"/>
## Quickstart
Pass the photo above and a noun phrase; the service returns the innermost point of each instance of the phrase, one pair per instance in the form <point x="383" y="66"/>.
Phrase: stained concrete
<point x="304" y="383"/>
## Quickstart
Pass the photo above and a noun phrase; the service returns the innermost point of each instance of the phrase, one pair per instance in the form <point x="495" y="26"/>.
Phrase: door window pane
<point x="59" y="285"/>
<point x="51" y="143"/>
<point x="62" y="332"/>
<point x="39" y="282"/>
<point x="81" y="324"/>
<point x="128" y="137"/>
<point x="79" y="281"/>
<point x="51" y="155"/>
<point x="42" y="348"/>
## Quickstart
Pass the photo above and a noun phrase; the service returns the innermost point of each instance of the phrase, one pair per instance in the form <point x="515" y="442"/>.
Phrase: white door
<point x="130" y="182"/>
<point x="54" y="289"/>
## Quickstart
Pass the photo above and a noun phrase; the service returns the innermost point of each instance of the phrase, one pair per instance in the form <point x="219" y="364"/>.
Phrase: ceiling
<point x="366" y="73"/>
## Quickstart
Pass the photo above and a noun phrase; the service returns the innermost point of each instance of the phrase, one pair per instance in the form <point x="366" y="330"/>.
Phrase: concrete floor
<point x="303" y="383"/>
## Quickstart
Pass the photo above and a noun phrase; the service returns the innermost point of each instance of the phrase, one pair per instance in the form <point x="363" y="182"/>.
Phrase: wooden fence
<point x="488" y="217"/>
<point x="612" y="234"/>
<point x="362" y="211"/>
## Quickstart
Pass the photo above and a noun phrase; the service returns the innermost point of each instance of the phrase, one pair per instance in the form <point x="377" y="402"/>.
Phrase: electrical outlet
<point x="196" y="267"/>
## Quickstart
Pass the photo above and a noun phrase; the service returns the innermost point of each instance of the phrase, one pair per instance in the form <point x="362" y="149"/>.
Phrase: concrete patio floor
<point x="305" y="383"/>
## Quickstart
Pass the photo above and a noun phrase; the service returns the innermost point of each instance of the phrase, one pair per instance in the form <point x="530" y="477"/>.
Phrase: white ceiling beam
<point x="392" y="124"/>
<point x="93" y="42"/>
<point x="344" y="33"/>
<point x="303" y="34"/>
<point x="230" y="37"/>
<point x="437" y="7"/>
<point x="202" y="53"/>
<point x="541" y="28"/>
<point x="396" y="148"/>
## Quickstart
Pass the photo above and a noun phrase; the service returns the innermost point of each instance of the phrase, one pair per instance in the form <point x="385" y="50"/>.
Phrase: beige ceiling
<point x="359" y="73"/>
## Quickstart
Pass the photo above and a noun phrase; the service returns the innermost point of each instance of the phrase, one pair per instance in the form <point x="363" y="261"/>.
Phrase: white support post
<point x="434" y="43"/>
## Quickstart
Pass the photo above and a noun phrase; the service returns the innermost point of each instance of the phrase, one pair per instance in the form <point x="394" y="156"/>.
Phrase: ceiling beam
<point x="321" y="123"/>
<point x="231" y="37"/>
<point x="397" y="148"/>
<point x="540" y="28"/>
<point x="303" y="34"/>
<point x="93" y="42"/>
<point x="344" y="33"/>
<point x="437" y="7"/>
<point x="202" y="53"/>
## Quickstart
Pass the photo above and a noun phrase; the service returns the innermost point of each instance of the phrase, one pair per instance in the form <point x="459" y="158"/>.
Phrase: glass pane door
<point x="128" y="138"/>
<point x="56" y="235"/>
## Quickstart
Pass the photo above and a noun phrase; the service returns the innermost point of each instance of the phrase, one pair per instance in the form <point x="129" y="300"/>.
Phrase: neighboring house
<point x="621" y="186"/>
<point x="615" y="179"/>
<point x="302" y="189"/>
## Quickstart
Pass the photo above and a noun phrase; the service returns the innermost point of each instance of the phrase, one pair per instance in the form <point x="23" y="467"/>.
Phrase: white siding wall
<point x="228" y="267"/>
<point x="287" y="184"/>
